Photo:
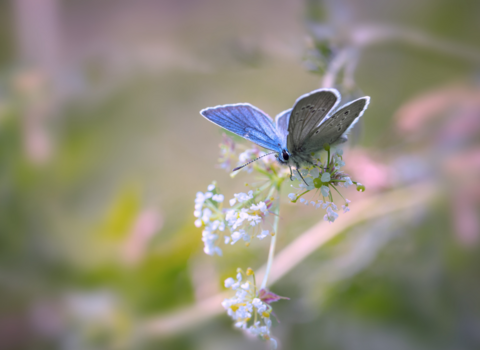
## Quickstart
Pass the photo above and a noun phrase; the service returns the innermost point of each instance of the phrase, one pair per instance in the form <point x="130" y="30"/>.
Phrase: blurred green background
<point x="102" y="150"/>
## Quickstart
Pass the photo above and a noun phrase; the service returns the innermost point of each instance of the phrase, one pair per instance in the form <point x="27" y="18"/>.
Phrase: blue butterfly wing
<point x="282" y="120"/>
<point x="246" y="121"/>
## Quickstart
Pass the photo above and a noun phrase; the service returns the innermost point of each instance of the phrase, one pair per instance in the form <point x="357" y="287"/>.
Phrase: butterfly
<point x="298" y="132"/>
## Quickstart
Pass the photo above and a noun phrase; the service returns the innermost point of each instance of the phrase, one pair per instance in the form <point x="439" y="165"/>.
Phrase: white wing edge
<point x="360" y="114"/>
<point x="234" y="105"/>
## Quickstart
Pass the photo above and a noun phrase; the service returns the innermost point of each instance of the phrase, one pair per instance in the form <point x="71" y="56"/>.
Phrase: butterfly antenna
<point x="244" y="165"/>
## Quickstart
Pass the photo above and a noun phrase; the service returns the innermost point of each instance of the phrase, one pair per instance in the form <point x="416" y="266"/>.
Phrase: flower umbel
<point x="250" y="308"/>
<point x="323" y="177"/>
<point x="245" y="220"/>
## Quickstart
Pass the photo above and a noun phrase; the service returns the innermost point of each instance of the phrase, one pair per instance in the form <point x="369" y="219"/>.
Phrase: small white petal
<point x="218" y="198"/>
<point x="211" y="187"/>
<point x="325" y="177"/>
<point x="263" y="234"/>
<point x="325" y="190"/>
<point x="229" y="282"/>
<point x="314" y="172"/>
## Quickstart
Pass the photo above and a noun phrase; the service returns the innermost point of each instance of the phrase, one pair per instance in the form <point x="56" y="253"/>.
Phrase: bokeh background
<point x="102" y="150"/>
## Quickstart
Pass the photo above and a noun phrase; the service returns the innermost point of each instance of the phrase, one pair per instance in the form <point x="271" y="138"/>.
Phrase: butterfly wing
<point x="246" y="121"/>
<point x="333" y="129"/>
<point x="309" y="110"/>
<point x="281" y="120"/>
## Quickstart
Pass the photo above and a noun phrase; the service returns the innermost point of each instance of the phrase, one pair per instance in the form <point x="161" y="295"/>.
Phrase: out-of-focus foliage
<point x="102" y="151"/>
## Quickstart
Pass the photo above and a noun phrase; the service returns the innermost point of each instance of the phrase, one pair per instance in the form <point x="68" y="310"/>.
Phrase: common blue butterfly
<point x="297" y="132"/>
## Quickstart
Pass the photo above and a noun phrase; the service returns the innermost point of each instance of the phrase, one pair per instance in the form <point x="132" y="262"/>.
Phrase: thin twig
<point x="271" y="252"/>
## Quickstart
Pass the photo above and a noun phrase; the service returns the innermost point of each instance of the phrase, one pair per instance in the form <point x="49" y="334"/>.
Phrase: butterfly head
<point x="283" y="156"/>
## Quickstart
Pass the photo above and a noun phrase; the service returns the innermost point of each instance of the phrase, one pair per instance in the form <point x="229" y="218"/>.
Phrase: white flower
<point x="232" y="202"/>
<point x="242" y="219"/>
<point x="209" y="239"/>
<point x="330" y="216"/>
<point x="348" y="182"/>
<point x="314" y="172"/>
<point x="211" y="187"/>
<point x="236" y="236"/>
<point x="206" y="215"/>
<point x="243" y="197"/>
<point x="345" y="207"/>
<point x="325" y="190"/>
<point x="263" y="234"/>
<point x="292" y="196"/>
<point x="260" y="206"/>
<point x="244" y="304"/>
<point x="229" y="282"/>
<point x="310" y="185"/>
<point x="259" y="305"/>
<point x="254" y="220"/>
<point x="245" y="286"/>
<point x="337" y="159"/>
<point x="218" y="198"/>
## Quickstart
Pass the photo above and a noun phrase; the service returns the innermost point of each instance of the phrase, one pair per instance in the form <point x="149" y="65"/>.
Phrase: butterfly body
<point x="298" y="132"/>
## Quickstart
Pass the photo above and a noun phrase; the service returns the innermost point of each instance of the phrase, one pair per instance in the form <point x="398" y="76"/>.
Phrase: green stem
<point x="301" y="194"/>
<point x="332" y="186"/>
<point x="271" y="252"/>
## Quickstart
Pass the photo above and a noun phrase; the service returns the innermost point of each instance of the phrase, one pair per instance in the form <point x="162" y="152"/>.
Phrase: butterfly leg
<point x="298" y="171"/>
<point x="291" y="173"/>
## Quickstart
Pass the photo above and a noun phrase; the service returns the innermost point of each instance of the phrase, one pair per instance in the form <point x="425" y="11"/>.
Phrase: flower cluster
<point x="323" y="177"/>
<point x="246" y="216"/>
<point x="236" y="154"/>
<point x="250" y="308"/>
<point x="244" y="220"/>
